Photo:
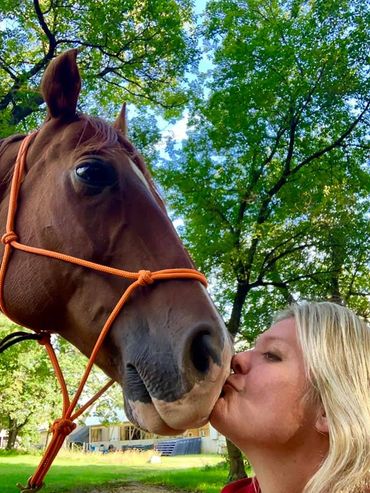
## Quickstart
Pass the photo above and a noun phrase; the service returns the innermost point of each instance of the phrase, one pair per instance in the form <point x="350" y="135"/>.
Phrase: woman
<point x="298" y="404"/>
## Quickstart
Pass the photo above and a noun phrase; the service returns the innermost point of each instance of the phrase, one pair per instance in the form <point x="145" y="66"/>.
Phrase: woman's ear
<point x="321" y="424"/>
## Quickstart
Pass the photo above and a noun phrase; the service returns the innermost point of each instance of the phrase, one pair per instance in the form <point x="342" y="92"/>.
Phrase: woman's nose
<point x="240" y="362"/>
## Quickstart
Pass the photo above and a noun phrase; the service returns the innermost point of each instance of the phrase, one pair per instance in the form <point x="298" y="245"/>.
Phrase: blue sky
<point x="199" y="6"/>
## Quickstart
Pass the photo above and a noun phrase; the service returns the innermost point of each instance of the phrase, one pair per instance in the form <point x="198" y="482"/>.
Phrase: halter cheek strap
<point x="63" y="426"/>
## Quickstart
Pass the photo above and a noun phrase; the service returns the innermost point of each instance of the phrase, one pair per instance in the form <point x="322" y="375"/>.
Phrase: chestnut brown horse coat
<point x="87" y="193"/>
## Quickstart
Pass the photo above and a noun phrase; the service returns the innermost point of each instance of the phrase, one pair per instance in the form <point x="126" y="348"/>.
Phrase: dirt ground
<point x="134" y="488"/>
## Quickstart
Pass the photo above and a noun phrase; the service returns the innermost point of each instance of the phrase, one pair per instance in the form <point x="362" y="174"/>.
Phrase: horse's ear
<point x="121" y="120"/>
<point x="61" y="85"/>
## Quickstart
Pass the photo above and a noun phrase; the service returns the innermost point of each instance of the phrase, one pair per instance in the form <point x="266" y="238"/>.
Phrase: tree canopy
<point x="273" y="182"/>
<point x="130" y="51"/>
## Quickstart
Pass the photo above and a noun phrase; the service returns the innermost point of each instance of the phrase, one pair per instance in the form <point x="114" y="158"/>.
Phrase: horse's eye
<point x="96" y="174"/>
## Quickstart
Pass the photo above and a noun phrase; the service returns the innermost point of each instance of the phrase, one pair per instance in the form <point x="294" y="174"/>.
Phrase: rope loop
<point x="63" y="426"/>
<point x="145" y="278"/>
<point x="9" y="237"/>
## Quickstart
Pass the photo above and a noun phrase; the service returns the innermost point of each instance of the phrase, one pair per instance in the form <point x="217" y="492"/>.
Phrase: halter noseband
<point x="65" y="425"/>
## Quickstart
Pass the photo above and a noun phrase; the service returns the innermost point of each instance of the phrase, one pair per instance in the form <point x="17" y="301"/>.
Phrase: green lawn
<point x="75" y="473"/>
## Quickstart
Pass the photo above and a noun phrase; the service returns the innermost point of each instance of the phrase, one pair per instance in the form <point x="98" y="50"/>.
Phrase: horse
<point x="86" y="192"/>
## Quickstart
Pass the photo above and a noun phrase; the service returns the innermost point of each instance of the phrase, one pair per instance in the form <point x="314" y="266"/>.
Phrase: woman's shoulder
<point x="247" y="485"/>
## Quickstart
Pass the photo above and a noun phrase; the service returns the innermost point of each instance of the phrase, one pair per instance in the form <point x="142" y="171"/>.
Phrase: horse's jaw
<point x="192" y="410"/>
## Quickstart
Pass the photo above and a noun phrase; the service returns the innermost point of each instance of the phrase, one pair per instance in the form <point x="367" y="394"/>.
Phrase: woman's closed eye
<point x="271" y="356"/>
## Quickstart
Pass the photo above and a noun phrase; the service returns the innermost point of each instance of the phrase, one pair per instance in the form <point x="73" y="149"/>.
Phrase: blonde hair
<point x="336" y="351"/>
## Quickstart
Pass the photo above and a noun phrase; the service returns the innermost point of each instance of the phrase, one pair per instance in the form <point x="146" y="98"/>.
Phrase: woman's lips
<point x="233" y="382"/>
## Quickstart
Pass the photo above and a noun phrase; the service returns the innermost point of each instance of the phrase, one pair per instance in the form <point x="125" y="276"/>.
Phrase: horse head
<point x="86" y="192"/>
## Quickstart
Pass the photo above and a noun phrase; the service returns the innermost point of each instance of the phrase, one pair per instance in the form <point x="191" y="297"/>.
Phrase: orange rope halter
<point x="65" y="425"/>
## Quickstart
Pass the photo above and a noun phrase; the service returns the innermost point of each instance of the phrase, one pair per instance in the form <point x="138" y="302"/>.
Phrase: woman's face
<point x="264" y="400"/>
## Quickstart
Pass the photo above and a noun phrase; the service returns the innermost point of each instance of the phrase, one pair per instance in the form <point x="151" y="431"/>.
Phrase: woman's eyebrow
<point x="270" y="338"/>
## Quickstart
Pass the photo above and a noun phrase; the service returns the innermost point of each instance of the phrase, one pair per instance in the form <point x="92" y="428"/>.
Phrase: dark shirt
<point x="248" y="485"/>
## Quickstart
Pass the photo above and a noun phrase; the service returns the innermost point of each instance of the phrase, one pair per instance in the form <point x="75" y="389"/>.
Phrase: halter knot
<point x="29" y="488"/>
<point x="63" y="426"/>
<point x="145" y="278"/>
<point x="44" y="339"/>
<point x="9" y="237"/>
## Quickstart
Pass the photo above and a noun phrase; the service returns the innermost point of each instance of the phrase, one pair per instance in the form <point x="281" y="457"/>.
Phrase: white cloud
<point x="178" y="223"/>
<point x="177" y="131"/>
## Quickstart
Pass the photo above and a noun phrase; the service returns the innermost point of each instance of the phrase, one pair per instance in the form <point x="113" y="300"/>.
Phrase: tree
<point x="272" y="183"/>
<point x="27" y="387"/>
<point x="29" y="393"/>
<point x="130" y="52"/>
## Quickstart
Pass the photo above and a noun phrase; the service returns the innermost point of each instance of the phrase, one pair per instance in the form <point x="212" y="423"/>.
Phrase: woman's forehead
<point x="282" y="331"/>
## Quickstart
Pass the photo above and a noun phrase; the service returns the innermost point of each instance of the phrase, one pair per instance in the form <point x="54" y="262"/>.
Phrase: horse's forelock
<point x="103" y="136"/>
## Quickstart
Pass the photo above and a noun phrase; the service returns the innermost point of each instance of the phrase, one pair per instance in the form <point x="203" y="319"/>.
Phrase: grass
<point x="78" y="472"/>
<point x="208" y="479"/>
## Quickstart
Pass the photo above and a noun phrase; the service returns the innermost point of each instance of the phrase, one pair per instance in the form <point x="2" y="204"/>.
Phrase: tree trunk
<point x="21" y="110"/>
<point x="241" y="293"/>
<point x="337" y="260"/>
<point x="12" y="434"/>
<point x="13" y="431"/>
<point x="236" y="463"/>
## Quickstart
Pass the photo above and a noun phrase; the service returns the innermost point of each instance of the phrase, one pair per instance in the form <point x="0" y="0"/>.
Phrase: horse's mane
<point x="7" y="173"/>
<point x="9" y="140"/>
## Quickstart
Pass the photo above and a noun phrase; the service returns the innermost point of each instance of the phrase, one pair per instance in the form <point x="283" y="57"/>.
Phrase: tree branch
<point x="223" y="218"/>
<point x="292" y="131"/>
<point x="284" y="254"/>
<point x="283" y="284"/>
<point x="44" y="26"/>
<point x="4" y="66"/>
<point x="281" y="244"/>
<point x="142" y="95"/>
<point x="334" y="144"/>
<point x="358" y="293"/>
<point x="277" y="139"/>
<point x="311" y="91"/>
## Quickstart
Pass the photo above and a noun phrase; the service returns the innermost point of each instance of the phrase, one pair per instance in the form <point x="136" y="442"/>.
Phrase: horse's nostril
<point x="202" y="350"/>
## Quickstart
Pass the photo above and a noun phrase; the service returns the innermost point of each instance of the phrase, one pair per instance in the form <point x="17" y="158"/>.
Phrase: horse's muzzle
<point x="168" y="390"/>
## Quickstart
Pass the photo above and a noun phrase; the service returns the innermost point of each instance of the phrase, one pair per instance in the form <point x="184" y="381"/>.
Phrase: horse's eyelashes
<point x="96" y="173"/>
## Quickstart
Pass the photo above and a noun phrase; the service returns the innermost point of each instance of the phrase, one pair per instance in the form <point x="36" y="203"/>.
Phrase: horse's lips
<point x="168" y="418"/>
<point x="139" y="407"/>
<point x="192" y="410"/>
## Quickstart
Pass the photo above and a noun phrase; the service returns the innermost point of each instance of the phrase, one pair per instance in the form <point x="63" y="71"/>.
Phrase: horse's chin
<point x="146" y="417"/>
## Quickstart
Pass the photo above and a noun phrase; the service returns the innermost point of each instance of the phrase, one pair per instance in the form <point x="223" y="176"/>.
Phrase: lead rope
<point x="65" y="425"/>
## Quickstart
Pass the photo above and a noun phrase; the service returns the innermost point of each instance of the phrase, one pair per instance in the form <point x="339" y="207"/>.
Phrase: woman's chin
<point x="218" y="417"/>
